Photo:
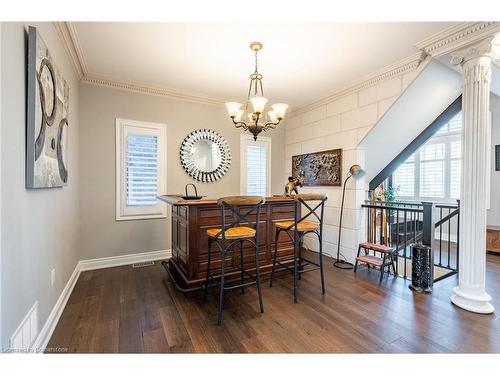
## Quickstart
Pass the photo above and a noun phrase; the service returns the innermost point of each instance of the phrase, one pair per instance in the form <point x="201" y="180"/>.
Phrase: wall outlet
<point x="52" y="277"/>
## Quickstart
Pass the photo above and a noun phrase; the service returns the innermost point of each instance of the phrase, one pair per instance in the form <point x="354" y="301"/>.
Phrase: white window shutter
<point x="141" y="170"/>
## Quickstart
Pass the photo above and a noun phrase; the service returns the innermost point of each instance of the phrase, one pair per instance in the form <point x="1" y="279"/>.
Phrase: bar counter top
<point x="177" y="200"/>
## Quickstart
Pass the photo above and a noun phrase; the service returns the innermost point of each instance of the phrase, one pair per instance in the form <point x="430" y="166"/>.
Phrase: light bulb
<point x="279" y="109"/>
<point x="258" y="103"/>
<point x="233" y="108"/>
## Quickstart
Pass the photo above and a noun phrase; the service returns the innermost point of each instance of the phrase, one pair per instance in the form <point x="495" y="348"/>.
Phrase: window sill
<point x="140" y="217"/>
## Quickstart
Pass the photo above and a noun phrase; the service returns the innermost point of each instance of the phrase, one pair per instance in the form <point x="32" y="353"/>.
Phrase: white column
<point x="470" y="294"/>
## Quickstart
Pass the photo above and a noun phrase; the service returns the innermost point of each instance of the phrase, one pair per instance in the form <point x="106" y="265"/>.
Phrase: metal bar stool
<point x="235" y="233"/>
<point x="300" y="227"/>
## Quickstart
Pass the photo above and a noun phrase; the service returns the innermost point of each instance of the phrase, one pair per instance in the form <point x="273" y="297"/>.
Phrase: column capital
<point x="488" y="47"/>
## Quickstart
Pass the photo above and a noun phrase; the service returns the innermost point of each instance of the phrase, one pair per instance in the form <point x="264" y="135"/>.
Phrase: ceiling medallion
<point x="256" y="122"/>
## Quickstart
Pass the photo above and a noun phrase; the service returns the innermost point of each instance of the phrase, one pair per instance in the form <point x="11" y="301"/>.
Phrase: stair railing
<point x="400" y="224"/>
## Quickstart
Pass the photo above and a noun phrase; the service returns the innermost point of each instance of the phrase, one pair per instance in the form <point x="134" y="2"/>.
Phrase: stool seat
<point x="377" y="247"/>
<point x="234" y="233"/>
<point x="304" y="225"/>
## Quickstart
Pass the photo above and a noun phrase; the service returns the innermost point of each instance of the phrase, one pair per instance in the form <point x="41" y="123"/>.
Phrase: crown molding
<point x="446" y="41"/>
<point x="457" y="37"/>
<point x="69" y="37"/>
<point x="143" y="88"/>
<point x="405" y="65"/>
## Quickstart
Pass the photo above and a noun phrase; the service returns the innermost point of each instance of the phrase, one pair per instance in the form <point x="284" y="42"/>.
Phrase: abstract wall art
<point x="322" y="168"/>
<point x="47" y="118"/>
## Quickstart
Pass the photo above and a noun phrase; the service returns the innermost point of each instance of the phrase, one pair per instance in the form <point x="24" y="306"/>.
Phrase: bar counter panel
<point x="190" y="221"/>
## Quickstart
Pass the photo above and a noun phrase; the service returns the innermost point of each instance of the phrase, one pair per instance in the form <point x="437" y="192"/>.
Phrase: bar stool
<point x="235" y="233"/>
<point x="296" y="229"/>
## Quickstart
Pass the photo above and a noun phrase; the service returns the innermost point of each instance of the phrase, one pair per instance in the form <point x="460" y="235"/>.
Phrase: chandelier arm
<point x="270" y="125"/>
<point x="261" y="88"/>
<point x="240" y="124"/>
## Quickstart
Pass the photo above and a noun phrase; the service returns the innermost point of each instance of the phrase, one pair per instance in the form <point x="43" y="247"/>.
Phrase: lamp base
<point x="342" y="264"/>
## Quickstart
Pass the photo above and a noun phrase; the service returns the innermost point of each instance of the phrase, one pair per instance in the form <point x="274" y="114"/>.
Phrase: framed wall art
<point x="47" y="118"/>
<point x="322" y="168"/>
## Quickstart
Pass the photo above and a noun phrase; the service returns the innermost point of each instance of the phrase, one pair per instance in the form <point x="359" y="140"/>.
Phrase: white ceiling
<point x="300" y="62"/>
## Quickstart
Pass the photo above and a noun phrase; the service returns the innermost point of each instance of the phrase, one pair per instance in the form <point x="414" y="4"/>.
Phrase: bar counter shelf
<point x="190" y="220"/>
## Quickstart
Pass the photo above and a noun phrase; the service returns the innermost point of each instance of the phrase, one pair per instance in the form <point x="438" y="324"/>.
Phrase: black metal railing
<point x="400" y="224"/>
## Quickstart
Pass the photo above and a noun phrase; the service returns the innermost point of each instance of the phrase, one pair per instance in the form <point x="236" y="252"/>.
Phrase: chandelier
<point x="255" y="121"/>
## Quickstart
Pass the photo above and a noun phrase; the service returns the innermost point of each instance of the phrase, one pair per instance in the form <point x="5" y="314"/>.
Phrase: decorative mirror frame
<point x="187" y="159"/>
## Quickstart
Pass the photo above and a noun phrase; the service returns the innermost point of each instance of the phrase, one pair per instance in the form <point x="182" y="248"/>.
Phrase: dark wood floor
<point x="131" y="310"/>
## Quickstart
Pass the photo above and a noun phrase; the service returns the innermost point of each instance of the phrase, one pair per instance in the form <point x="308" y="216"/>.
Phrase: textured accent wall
<point x="343" y="123"/>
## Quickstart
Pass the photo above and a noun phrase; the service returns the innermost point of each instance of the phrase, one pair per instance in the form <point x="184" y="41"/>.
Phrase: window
<point x="433" y="172"/>
<point x="255" y="166"/>
<point x="140" y="169"/>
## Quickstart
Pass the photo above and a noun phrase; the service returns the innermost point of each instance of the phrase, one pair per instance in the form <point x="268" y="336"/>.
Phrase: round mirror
<point x="205" y="155"/>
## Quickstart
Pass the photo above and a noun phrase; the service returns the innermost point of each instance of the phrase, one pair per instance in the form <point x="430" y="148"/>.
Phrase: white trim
<point x="19" y="333"/>
<point x="457" y="37"/>
<point x="244" y="138"/>
<point x="150" y="89"/>
<point x="71" y="43"/>
<point x="151" y="212"/>
<point x="46" y="332"/>
<point x="122" y="260"/>
<point x="50" y="324"/>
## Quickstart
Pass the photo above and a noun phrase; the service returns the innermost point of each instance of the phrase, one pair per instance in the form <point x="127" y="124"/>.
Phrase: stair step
<point x="370" y="259"/>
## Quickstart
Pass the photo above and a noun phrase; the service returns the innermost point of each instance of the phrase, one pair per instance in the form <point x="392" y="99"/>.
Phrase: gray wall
<point x="101" y="235"/>
<point x="39" y="227"/>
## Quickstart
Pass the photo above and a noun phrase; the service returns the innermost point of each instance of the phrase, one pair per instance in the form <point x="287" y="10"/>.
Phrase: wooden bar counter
<point x="190" y="221"/>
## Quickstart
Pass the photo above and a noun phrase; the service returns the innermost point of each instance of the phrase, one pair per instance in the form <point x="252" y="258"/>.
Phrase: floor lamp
<point x="356" y="172"/>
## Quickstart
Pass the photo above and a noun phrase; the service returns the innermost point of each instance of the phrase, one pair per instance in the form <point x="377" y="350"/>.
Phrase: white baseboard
<point x="122" y="260"/>
<point x="48" y="328"/>
<point x="46" y="332"/>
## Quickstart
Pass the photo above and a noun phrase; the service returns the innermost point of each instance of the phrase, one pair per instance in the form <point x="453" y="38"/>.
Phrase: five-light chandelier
<point x="256" y="122"/>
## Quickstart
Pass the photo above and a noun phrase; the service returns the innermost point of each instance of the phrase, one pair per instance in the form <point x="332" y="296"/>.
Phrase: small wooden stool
<point x="371" y="260"/>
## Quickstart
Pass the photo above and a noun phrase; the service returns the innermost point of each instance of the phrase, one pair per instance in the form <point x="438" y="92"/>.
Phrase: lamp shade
<point x="280" y="109"/>
<point x="356" y="171"/>
<point x="258" y="103"/>
<point x="272" y="116"/>
<point x="239" y="114"/>
<point x="233" y="108"/>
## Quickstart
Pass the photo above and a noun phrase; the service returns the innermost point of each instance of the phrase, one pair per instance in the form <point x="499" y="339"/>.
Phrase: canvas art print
<point x="318" y="168"/>
<point x="47" y="121"/>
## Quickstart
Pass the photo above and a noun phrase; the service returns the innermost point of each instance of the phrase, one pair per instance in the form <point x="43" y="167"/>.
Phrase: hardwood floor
<point x="135" y="310"/>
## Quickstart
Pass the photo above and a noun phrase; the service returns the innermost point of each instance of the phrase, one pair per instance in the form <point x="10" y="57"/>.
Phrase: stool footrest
<point x="371" y="260"/>
<point x="239" y="285"/>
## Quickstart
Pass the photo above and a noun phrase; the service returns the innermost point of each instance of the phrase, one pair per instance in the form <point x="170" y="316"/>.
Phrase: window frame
<point x="447" y="138"/>
<point x="158" y="211"/>
<point x="245" y="140"/>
